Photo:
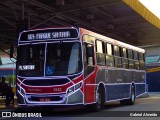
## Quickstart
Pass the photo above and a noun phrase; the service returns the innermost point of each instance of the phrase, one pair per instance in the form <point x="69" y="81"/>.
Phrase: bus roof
<point x="113" y="41"/>
<point x="98" y="36"/>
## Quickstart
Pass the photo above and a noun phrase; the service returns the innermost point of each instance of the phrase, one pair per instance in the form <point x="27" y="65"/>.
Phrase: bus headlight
<point x="74" y="88"/>
<point x="78" y="85"/>
<point x="70" y="90"/>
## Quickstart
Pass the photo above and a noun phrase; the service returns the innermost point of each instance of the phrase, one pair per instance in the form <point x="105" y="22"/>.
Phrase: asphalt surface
<point x="146" y="108"/>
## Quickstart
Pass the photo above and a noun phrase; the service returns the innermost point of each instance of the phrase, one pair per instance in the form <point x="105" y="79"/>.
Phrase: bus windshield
<point x="31" y="60"/>
<point x="61" y="59"/>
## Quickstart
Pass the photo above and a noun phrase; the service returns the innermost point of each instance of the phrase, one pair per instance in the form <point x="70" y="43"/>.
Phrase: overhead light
<point x="152" y="5"/>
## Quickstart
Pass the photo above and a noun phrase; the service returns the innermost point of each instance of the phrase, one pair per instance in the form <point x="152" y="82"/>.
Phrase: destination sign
<point x="26" y="67"/>
<point x="49" y="34"/>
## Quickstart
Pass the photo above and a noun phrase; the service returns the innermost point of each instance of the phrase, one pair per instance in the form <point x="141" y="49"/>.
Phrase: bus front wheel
<point x="99" y="101"/>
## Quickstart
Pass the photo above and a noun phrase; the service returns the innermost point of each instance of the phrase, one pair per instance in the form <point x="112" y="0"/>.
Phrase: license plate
<point x="44" y="99"/>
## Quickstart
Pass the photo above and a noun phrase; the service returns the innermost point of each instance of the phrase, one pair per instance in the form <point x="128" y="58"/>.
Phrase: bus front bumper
<point x="74" y="98"/>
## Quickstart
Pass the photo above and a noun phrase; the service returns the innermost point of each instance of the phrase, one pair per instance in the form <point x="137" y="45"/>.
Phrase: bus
<point x="71" y="66"/>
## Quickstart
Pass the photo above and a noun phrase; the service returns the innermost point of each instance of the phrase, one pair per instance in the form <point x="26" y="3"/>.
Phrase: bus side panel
<point x="120" y="76"/>
<point x="90" y="87"/>
<point x="113" y="83"/>
<point x="140" y="84"/>
<point x="106" y="76"/>
<point x="117" y="91"/>
<point x="140" y="89"/>
<point x="110" y="76"/>
<point x="129" y="76"/>
<point x="139" y="76"/>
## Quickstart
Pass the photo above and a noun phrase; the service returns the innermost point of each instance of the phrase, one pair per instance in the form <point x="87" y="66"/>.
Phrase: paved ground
<point x="9" y="107"/>
<point x="149" y="104"/>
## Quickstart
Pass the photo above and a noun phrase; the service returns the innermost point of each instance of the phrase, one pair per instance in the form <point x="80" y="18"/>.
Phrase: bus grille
<point x="50" y="98"/>
<point x="45" y="82"/>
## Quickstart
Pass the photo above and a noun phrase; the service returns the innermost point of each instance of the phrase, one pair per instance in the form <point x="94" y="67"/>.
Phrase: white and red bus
<point x="74" y="66"/>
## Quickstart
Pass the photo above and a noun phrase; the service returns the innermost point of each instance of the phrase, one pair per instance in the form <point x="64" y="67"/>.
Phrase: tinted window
<point x="124" y="52"/>
<point x="100" y="53"/>
<point x="130" y="54"/>
<point x="99" y="46"/>
<point x="136" y="55"/>
<point x="116" y="51"/>
<point x="109" y="61"/>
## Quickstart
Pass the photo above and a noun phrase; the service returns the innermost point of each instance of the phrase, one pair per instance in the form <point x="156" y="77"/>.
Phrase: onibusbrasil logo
<point x="15" y="114"/>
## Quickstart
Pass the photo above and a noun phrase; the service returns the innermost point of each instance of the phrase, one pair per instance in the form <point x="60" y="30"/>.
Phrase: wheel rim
<point x="133" y="96"/>
<point x="99" y="98"/>
<point x="98" y="101"/>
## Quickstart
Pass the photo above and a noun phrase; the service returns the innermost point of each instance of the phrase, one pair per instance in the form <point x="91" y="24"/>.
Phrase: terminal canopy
<point x="144" y="11"/>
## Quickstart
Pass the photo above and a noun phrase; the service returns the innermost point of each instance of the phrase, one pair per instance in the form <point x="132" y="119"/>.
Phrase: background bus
<point x="74" y="66"/>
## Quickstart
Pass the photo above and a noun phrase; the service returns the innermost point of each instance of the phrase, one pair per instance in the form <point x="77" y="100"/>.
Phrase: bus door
<point x="89" y="75"/>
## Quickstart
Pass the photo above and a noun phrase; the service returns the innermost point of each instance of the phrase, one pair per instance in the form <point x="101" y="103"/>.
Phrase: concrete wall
<point x="152" y="50"/>
<point x="153" y="71"/>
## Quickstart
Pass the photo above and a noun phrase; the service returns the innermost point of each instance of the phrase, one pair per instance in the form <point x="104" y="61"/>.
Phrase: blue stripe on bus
<point x="140" y="89"/>
<point x="117" y="91"/>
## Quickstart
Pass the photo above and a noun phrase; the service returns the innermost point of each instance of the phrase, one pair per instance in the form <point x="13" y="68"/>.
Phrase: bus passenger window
<point x="131" y="61"/>
<point x="130" y="54"/>
<point x="109" y="56"/>
<point x="124" y="52"/>
<point x="125" y="59"/>
<point x="136" y="59"/>
<point x="135" y="56"/>
<point x="116" y="51"/>
<point x="142" y="61"/>
<point x="100" y="53"/>
<point x="109" y="61"/>
<point x="109" y="49"/>
<point x="88" y="55"/>
<point x="99" y="46"/>
<point x="118" y="60"/>
<point x="88" y="51"/>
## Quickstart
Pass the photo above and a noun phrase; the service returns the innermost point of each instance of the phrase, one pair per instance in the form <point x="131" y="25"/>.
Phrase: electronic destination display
<point x="49" y="34"/>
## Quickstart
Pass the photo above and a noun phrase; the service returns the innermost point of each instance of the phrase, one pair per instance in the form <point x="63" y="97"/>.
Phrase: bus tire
<point x="131" y="100"/>
<point x="99" y="101"/>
